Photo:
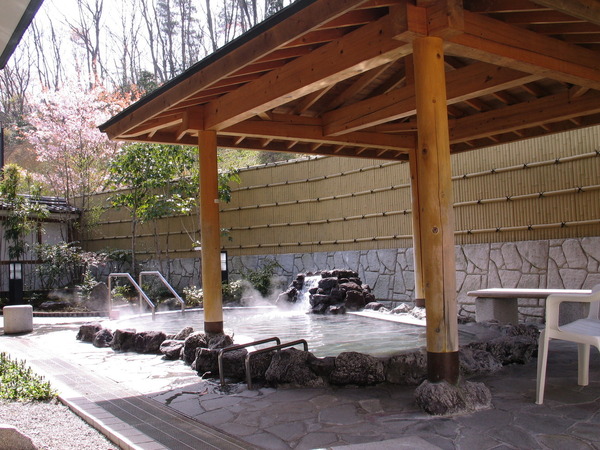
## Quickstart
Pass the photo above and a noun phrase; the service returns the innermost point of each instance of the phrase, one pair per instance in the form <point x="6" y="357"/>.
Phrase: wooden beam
<point x="463" y="84"/>
<point x="314" y="133"/>
<point x="154" y="125"/>
<point x="588" y="10"/>
<point x="364" y="80"/>
<point x="493" y="41"/>
<point x="312" y="98"/>
<point x="554" y="108"/>
<point x="359" y="51"/>
<point x="193" y="81"/>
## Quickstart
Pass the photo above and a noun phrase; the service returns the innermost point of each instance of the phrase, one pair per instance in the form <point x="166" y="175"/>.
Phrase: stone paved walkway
<point x="128" y="393"/>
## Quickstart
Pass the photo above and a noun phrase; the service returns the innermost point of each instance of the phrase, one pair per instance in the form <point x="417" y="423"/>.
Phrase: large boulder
<point x="149" y="341"/>
<point x="321" y="366"/>
<point x="123" y="340"/>
<point x="205" y="361"/>
<point x="291" y="367"/>
<point x="12" y="439"/>
<point x="508" y="349"/>
<point x="55" y="305"/>
<point x="357" y="368"/>
<point x="234" y="364"/>
<point x="475" y="361"/>
<point x="194" y="341"/>
<point x="87" y="331"/>
<point x="409" y="368"/>
<point x="183" y="334"/>
<point x="354" y="300"/>
<point x="103" y="338"/>
<point x="444" y="398"/>
<point x="171" y="348"/>
<point x="219" y="340"/>
<point x="327" y="284"/>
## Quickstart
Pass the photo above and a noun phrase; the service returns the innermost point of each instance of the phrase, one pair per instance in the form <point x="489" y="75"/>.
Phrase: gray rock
<point x="322" y="366"/>
<point x="290" y="366"/>
<point x="354" y="300"/>
<point x="205" y="361"/>
<point x="123" y="340"/>
<point x="13" y="439"/>
<point x="259" y="364"/>
<point x="402" y="308"/>
<point x="508" y="349"/>
<point x="87" y="331"/>
<point x="98" y="298"/>
<point x="54" y="305"/>
<point x="183" y="334"/>
<point x="149" y="341"/>
<point x="233" y="364"/>
<point x="195" y="340"/>
<point x="103" y="338"/>
<point x="477" y="362"/>
<point x="375" y="306"/>
<point x="357" y="368"/>
<point x="328" y="283"/>
<point x="408" y="368"/>
<point x="337" y="309"/>
<point x="219" y="340"/>
<point x="350" y="286"/>
<point x="171" y="348"/>
<point x="444" y="398"/>
<point x="320" y="299"/>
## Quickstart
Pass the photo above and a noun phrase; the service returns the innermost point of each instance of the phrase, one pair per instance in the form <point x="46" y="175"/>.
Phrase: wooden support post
<point x="434" y="221"/>
<point x="210" y="232"/>
<point x="416" y="220"/>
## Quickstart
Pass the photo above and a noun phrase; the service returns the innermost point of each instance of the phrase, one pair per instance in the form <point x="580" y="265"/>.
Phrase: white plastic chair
<point x="584" y="332"/>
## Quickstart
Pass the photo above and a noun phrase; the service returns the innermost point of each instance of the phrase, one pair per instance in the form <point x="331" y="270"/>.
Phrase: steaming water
<point x="327" y="335"/>
<point x="304" y="295"/>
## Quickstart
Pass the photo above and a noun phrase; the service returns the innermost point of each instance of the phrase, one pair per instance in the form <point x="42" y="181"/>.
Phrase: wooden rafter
<point x="336" y="77"/>
<point x="368" y="47"/>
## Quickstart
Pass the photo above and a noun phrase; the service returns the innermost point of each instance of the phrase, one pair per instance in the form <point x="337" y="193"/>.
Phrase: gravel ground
<point x="52" y="426"/>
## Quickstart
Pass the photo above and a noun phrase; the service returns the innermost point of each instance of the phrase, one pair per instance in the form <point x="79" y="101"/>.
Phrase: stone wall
<point x="555" y="263"/>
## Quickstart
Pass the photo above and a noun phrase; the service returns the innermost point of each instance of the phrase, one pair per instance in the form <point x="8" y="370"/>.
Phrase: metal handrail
<point x="239" y="347"/>
<point x="142" y="294"/>
<point x="268" y="349"/>
<point x="166" y="284"/>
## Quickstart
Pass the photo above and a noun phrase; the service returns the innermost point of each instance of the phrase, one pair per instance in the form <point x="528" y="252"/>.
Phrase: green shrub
<point x="193" y="296"/>
<point x="18" y="382"/>
<point x="262" y="279"/>
<point x="232" y="292"/>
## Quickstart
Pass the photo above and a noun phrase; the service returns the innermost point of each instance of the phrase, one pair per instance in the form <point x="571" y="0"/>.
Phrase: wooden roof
<point x="335" y="77"/>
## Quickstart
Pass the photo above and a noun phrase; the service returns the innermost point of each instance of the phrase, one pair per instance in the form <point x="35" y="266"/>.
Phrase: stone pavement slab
<point x="383" y="415"/>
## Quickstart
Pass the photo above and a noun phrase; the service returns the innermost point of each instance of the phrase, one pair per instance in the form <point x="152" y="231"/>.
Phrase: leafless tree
<point x="86" y="32"/>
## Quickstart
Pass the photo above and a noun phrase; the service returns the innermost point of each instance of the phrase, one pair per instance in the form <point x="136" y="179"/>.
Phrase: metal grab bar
<point x="239" y="347"/>
<point x="141" y="293"/>
<point x="166" y="284"/>
<point x="267" y="349"/>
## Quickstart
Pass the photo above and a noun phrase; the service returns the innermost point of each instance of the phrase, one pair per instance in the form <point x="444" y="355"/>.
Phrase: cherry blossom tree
<point x="74" y="154"/>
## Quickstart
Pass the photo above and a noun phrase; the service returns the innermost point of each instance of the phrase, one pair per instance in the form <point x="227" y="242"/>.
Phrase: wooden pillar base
<point x="213" y="327"/>
<point x="443" y="367"/>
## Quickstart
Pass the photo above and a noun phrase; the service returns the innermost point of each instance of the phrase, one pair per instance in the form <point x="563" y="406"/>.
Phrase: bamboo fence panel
<point x="544" y="188"/>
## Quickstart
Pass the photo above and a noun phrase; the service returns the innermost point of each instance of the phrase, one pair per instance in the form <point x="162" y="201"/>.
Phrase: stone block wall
<point x="554" y="263"/>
